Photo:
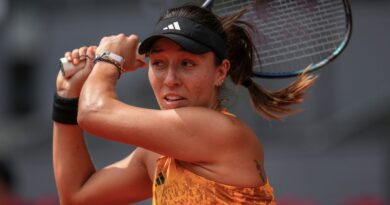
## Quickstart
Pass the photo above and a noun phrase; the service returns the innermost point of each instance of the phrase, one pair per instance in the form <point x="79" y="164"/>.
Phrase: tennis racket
<point x="290" y="35"/>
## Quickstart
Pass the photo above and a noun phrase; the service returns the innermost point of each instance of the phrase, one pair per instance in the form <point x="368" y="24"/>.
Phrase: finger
<point x="89" y="62"/>
<point x="93" y="50"/>
<point x="133" y="41"/>
<point x="68" y="56"/>
<point x="100" y="49"/>
<point x="83" y="52"/>
<point x="75" y="56"/>
<point x="104" y="39"/>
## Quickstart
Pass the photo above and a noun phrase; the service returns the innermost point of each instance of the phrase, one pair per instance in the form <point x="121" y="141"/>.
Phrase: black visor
<point x="190" y="35"/>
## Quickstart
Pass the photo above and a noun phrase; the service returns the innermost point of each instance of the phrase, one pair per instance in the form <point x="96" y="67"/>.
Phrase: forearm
<point x="98" y="97"/>
<point x="99" y="88"/>
<point x="98" y="91"/>
<point x="72" y="163"/>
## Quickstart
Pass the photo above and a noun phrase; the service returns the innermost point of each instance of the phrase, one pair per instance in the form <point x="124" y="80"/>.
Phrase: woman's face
<point x="180" y="78"/>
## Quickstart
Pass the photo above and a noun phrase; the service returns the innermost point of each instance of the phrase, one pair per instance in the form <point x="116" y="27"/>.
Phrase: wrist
<point x="111" y="58"/>
<point x="68" y="94"/>
<point x="107" y="69"/>
<point x="65" y="110"/>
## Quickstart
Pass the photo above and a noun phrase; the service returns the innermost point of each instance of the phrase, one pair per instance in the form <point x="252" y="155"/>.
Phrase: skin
<point x="186" y="88"/>
<point x="187" y="79"/>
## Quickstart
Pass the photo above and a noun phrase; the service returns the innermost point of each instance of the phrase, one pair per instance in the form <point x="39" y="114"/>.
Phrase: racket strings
<point x="292" y="34"/>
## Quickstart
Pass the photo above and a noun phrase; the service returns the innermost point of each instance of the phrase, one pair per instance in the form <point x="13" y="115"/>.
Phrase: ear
<point x="222" y="71"/>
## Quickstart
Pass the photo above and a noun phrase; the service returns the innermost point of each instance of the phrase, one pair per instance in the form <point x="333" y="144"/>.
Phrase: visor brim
<point x="186" y="43"/>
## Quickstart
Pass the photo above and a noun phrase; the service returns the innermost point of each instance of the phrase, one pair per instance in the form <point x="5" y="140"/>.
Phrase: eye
<point x="188" y="63"/>
<point x="158" y="64"/>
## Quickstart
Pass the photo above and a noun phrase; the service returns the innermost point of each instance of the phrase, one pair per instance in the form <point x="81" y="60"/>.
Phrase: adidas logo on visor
<point x="173" y="26"/>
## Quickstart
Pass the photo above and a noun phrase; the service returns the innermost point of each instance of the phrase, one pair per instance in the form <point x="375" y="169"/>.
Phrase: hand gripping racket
<point x="68" y="69"/>
<point x="292" y="34"/>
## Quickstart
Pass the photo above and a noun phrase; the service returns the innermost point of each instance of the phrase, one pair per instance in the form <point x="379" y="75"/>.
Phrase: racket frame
<point x="314" y="66"/>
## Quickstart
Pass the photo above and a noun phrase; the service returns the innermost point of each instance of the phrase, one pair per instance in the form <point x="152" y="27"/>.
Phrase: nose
<point x="172" y="78"/>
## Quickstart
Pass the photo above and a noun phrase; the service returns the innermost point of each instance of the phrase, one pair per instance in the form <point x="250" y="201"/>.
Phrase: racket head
<point x="290" y="35"/>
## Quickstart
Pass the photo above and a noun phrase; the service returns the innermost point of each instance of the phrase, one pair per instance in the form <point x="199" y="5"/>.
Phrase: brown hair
<point x="242" y="54"/>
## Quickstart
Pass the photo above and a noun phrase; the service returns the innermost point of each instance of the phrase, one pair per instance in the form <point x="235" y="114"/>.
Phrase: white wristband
<point x="112" y="56"/>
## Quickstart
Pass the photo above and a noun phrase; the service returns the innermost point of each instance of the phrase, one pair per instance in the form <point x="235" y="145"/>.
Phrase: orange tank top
<point x="173" y="184"/>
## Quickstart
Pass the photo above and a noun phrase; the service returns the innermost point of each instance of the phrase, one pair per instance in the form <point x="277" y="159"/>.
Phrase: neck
<point x="216" y="105"/>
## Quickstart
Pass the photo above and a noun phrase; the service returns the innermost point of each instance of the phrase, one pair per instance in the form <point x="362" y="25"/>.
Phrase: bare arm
<point x="77" y="180"/>
<point x="72" y="164"/>
<point x="79" y="183"/>
<point x="189" y="134"/>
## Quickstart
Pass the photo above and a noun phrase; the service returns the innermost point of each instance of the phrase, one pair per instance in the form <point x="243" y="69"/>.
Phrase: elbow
<point x="84" y="116"/>
<point x="72" y="200"/>
<point x="66" y="200"/>
<point x="87" y="113"/>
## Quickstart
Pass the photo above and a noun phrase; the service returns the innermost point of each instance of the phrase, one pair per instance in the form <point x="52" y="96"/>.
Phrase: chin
<point x="175" y="105"/>
<point x="169" y="107"/>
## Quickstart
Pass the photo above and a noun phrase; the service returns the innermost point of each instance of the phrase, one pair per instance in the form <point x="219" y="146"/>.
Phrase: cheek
<point x="203" y="86"/>
<point x="153" y="80"/>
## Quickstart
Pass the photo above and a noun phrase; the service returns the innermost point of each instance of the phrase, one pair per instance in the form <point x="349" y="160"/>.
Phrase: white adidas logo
<point x="173" y="26"/>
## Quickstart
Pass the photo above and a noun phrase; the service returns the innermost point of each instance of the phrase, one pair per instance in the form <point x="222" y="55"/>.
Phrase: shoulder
<point x="197" y="134"/>
<point x="237" y="129"/>
<point x="240" y="140"/>
<point x="200" y="122"/>
<point x="197" y="116"/>
<point x="226" y="130"/>
<point x="216" y="127"/>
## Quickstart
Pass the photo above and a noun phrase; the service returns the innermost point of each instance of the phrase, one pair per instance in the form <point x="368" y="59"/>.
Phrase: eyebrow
<point x="155" y="50"/>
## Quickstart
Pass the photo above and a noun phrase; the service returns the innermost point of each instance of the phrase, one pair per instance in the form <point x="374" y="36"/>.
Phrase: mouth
<point x="173" y="98"/>
<point x="173" y="101"/>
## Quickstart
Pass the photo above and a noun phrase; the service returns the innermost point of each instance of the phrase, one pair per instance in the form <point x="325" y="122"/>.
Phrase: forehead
<point x="168" y="46"/>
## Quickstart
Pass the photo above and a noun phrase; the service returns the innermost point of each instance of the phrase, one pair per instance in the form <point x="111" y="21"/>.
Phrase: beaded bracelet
<point x="110" y="61"/>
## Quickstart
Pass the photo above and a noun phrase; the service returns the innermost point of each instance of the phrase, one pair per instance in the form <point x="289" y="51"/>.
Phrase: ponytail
<point x="276" y="105"/>
<point x="242" y="53"/>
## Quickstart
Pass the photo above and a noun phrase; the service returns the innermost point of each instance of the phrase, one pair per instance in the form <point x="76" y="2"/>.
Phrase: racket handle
<point x="68" y="68"/>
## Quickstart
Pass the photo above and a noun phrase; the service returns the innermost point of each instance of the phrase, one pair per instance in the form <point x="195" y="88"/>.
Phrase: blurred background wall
<point x="335" y="152"/>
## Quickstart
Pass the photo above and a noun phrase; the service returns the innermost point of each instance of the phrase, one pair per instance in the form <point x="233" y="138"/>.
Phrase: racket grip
<point x="68" y="68"/>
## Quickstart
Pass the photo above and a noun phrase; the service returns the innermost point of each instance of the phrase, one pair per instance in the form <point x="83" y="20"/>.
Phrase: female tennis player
<point x="192" y="151"/>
